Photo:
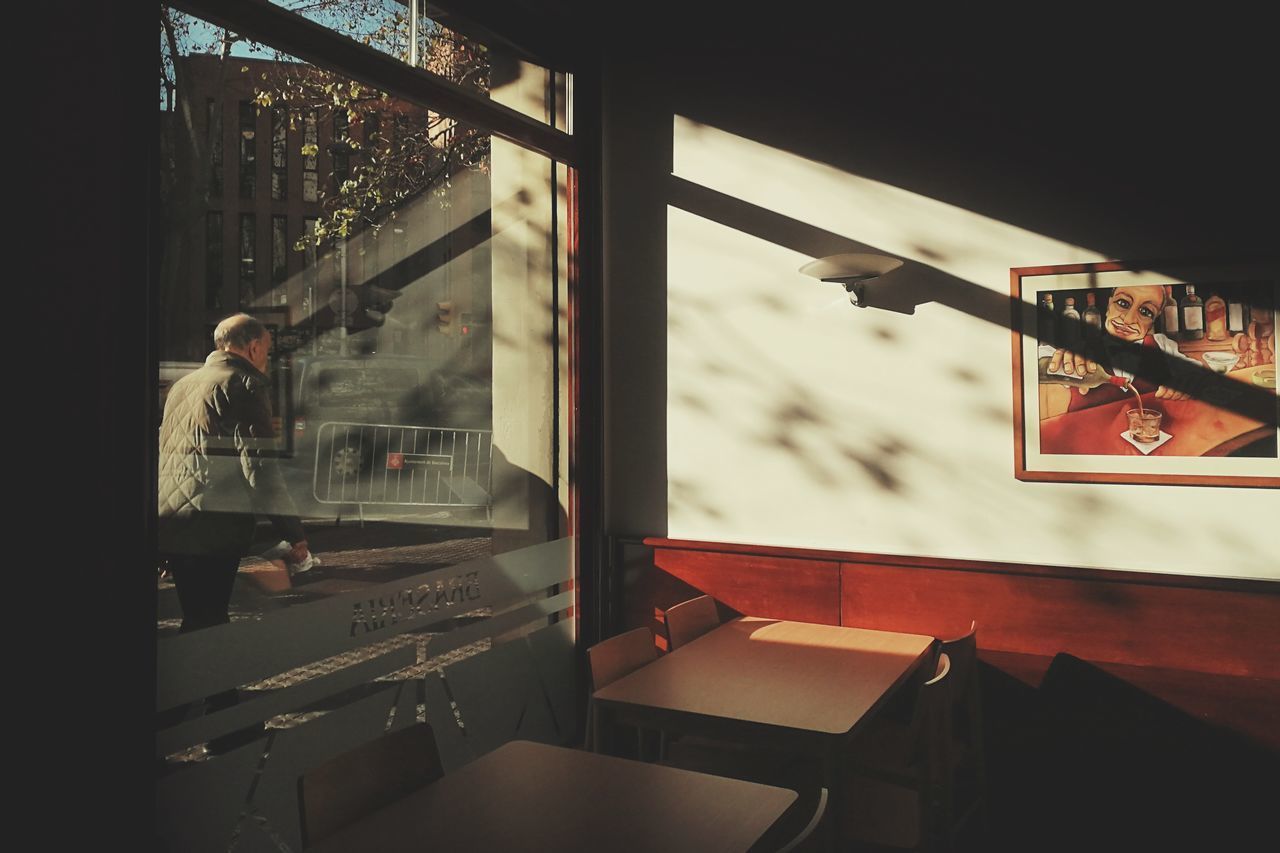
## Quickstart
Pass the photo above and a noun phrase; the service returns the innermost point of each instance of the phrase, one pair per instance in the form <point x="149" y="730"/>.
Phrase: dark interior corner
<point x="1088" y="760"/>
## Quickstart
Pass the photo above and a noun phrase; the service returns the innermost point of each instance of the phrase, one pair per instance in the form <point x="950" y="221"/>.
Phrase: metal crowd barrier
<point x="400" y="465"/>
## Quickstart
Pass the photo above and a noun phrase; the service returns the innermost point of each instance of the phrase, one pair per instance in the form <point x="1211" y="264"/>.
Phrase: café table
<point x="796" y="681"/>
<point x="796" y="686"/>
<point x="533" y="796"/>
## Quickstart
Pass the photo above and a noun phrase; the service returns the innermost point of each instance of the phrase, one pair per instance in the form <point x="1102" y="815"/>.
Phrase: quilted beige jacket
<point x="216" y="471"/>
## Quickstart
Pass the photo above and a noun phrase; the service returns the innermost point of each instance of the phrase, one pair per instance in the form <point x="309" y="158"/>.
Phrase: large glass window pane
<point x="413" y="369"/>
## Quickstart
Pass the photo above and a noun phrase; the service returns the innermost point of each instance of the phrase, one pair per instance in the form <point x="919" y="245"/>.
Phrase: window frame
<point x="580" y="151"/>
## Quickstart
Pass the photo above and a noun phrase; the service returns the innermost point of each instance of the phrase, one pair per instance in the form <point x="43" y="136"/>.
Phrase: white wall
<point x="796" y="419"/>
<point x="793" y="419"/>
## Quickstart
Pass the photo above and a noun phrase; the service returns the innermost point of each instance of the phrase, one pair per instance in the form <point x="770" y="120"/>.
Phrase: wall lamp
<point x="853" y="270"/>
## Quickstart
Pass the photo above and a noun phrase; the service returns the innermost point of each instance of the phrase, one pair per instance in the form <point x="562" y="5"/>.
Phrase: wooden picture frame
<point x="1144" y="335"/>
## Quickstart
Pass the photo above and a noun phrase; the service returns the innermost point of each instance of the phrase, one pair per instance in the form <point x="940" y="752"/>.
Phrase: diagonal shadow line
<point x="438" y="253"/>
<point x="912" y="285"/>
<point x="917" y="283"/>
<point x="431" y="257"/>
<point x="435" y="254"/>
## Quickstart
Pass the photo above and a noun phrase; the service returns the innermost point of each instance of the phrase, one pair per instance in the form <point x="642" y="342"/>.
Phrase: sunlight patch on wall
<point x="795" y="419"/>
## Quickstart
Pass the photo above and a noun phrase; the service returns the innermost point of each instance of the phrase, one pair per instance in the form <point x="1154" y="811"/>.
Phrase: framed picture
<point x="1161" y="373"/>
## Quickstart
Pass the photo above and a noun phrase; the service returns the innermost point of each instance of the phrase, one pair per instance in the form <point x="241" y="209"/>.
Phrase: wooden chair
<point x="898" y="790"/>
<point x="968" y="756"/>
<point x="689" y="620"/>
<point x="363" y="780"/>
<point x="609" y="660"/>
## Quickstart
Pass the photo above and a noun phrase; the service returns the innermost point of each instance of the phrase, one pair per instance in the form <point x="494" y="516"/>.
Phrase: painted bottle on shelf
<point x="1215" y="318"/>
<point x="1091" y="316"/>
<point x="1237" y="315"/>
<point x="1045" y="318"/>
<point x="1191" y="314"/>
<point x="1172" y="328"/>
<point x="1069" y="325"/>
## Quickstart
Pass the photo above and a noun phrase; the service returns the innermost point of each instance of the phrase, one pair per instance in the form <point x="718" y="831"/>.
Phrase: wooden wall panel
<point x="1202" y="645"/>
<point x="1226" y="632"/>
<point x="647" y="594"/>
<point x="779" y="588"/>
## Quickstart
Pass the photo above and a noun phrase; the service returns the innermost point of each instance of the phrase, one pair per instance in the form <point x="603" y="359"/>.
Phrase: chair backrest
<point x="931" y="720"/>
<point x="617" y="656"/>
<point x="965" y="704"/>
<point x="963" y="651"/>
<point x="689" y="620"/>
<point x="363" y="780"/>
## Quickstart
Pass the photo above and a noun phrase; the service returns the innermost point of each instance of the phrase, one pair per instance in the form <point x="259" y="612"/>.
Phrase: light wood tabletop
<point x="797" y="677"/>
<point x="531" y="796"/>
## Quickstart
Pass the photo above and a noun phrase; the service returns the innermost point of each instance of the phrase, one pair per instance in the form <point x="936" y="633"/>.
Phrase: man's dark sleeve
<point x="255" y="440"/>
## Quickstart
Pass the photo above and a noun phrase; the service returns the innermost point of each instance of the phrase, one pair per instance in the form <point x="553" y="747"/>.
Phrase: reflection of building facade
<point x="259" y="179"/>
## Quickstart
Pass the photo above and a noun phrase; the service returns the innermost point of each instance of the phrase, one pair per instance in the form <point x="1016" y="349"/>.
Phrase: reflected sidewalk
<point x="353" y="557"/>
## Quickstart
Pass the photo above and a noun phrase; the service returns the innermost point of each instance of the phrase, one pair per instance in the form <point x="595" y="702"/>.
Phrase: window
<point x="248" y="255"/>
<point x="341" y="157"/>
<point x="308" y="240"/>
<point x="373" y="138"/>
<point x="248" y="150"/>
<point x="279" y="155"/>
<point x="213" y="139"/>
<point x="310" y="158"/>
<point x="279" y="256"/>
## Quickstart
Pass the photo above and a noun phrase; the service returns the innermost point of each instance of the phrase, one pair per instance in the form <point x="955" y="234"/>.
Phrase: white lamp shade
<point x="850" y="266"/>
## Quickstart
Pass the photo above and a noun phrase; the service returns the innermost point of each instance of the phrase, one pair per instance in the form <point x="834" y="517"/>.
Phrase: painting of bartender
<point x="1134" y="376"/>
<point x="1096" y="369"/>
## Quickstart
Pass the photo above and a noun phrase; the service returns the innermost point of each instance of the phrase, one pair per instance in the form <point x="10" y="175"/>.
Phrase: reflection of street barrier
<point x="392" y="465"/>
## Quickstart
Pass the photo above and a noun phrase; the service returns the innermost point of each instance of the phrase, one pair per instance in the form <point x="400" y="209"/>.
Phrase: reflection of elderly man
<point x="215" y="473"/>
<point x="1131" y="315"/>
